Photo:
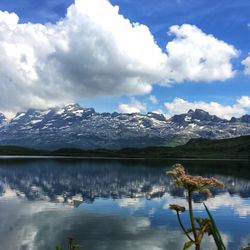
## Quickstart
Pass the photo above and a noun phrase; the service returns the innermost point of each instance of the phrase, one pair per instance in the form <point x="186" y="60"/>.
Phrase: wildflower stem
<point x="183" y="228"/>
<point x="197" y="243"/>
<point x="202" y="231"/>
<point x="195" y="184"/>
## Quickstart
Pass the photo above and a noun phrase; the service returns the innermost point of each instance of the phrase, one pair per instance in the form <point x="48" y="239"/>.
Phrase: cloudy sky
<point x="165" y="56"/>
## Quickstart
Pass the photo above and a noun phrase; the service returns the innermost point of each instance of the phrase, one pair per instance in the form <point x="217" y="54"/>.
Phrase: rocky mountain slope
<point x="74" y="126"/>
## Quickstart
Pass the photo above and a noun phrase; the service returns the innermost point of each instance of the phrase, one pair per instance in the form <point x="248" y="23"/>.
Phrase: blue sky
<point x="226" y="20"/>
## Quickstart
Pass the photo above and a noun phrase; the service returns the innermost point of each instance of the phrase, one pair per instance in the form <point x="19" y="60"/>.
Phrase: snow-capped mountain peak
<point x="198" y="115"/>
<point x="74" y="126"/>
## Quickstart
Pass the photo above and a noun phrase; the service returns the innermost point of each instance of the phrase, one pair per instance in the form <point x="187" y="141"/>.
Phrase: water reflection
<point x="84" y="181"/>
<point x="112" y="204"/>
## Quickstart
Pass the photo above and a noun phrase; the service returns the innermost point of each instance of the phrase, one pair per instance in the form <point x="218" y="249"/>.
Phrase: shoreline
<point x="115" y="158"/>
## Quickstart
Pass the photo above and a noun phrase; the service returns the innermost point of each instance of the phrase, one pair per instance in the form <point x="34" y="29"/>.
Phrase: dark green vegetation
<point x="15" y="150"/>
<point x="72" y="245"/>
<point x="234" y="148"/>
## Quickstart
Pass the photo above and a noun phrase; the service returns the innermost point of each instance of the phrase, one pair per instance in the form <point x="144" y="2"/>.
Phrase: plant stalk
<point x="183" y="228"/>
<point x="197" y="243"/>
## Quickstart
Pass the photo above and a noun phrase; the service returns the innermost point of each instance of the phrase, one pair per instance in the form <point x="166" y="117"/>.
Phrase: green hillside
<point x="15" y="150"/>
<point x="234" y="148"/>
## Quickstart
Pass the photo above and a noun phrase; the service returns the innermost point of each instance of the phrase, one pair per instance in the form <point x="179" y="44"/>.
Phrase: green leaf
<point x="203" y="187"/>
<point x="205" y="221"/>
<point x="189" y="230"/>
<point x="215" y="232"/>
<point x="198" y="220"/>
<point x="76" y="246"/>
<point x="59" y="248"/>
<point x="187" y="245"/>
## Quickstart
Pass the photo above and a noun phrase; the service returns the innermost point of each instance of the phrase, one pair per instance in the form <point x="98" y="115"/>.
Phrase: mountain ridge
<point x="75" y="106"/>
<point x="74" y="126"/>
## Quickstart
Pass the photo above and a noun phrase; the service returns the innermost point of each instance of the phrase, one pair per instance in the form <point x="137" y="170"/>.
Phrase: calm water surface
<point x="113" y="204"/>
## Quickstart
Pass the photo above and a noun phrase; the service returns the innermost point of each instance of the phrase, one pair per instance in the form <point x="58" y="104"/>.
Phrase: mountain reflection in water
<point x="113" y="204"/>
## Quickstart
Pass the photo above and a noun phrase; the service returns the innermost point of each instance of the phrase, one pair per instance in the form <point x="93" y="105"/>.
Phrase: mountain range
<point x="74" y="126"/>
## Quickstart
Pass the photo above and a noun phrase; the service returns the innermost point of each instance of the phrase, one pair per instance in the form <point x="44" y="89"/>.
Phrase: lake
<point x="114" y="204"/>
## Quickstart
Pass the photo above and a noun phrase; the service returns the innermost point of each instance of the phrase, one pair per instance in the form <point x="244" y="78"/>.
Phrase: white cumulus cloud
<point x="180" y="106"/>
<point x="194" y="55"/>
<point x="92" y="51"/>
<point x="246" y="63"/>
<point x="134" y="106"/>
<point x="95" y="51"/>
<point x="8" y="18"/>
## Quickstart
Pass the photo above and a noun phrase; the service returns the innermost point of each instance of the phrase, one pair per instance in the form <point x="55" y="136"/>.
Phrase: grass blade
<point x="216" y="234"/>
